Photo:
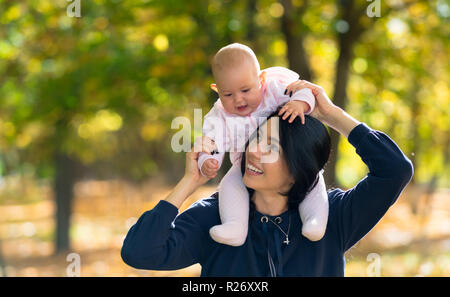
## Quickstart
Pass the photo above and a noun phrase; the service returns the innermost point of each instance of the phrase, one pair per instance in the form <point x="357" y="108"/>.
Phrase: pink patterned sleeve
<point x="307" y="96"/>
<point x="278" y="78"/>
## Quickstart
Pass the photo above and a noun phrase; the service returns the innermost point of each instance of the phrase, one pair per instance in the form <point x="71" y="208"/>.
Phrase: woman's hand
<point x="192" y="178"/>
<point x="325" y="111"/>
<point x="191" y="172"/>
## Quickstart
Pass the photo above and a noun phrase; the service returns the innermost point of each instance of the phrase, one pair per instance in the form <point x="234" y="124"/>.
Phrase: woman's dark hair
<point x="306" y="148"/>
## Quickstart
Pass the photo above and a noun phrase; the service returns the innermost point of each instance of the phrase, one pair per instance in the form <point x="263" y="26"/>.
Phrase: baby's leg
<point x="233" y="209"/>
<point x="314" y="211"/>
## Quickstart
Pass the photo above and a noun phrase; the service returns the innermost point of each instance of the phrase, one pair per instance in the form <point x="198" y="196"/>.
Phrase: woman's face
<point x="265" y="167"/>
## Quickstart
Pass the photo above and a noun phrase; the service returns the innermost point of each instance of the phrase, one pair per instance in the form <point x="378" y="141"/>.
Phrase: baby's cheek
<point x="257" y="99"/>
<point x="227" y="106"/>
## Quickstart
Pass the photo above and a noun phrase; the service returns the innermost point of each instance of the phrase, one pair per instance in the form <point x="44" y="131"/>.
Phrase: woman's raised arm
<point x="158" y="240"/>
<point x="354" y="212"/>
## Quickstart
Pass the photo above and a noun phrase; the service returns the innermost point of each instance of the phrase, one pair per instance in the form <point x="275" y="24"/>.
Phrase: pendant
<point x="286" y="241"/>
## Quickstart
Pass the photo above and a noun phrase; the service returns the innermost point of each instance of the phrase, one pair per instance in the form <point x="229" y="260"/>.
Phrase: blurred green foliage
<point x="104" y="88"/>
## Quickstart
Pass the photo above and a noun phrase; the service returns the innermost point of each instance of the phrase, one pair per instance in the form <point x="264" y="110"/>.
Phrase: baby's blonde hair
<point x="233" y="55"/>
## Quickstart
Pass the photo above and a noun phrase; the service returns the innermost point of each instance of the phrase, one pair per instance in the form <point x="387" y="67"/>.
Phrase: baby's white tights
<point x="234" y="210"/>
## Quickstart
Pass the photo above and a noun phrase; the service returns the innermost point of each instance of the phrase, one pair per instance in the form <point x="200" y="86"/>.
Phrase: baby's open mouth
<point x="241" y="108"/>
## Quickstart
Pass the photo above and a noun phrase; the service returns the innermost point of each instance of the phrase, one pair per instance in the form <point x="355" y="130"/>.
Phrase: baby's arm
<point x="214" y="134"/>
<point x="294" y="107"/>
<point x="304" y="95"/>
<point x="296" y="103"/>
<point x="210" y="164"/>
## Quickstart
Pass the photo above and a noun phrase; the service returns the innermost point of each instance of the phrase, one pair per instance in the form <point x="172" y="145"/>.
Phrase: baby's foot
<point x="314" y="211"/>
<point x="313" y="230"/>
<point x="231" y="233"/>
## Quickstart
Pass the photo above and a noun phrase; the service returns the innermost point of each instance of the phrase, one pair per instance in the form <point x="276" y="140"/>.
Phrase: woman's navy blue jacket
<point x="163" y="240"/>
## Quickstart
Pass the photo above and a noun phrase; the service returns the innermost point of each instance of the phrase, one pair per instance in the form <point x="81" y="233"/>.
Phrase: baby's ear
<point x="214" y="88"/>
<point x="262" y="77"/>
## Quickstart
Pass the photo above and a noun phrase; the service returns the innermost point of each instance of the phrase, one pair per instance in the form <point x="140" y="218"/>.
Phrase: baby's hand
<point x="294" y="108"/>
<point x="210" y="168"/>
<point x="206" y="145"/>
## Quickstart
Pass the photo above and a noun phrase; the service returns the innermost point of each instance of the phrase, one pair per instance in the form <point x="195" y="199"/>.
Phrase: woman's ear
<point x="214" y="88"/>
<point x="291" y="180"/>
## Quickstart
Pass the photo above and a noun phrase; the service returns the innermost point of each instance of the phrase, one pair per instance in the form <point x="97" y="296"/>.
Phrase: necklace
<point x="266" y="219"/>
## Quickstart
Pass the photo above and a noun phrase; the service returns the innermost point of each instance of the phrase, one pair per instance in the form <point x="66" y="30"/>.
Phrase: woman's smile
<point x="251" y="169"/>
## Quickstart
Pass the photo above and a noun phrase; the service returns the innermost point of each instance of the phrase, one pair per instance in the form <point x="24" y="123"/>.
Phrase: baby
<point x="247" y="94"/>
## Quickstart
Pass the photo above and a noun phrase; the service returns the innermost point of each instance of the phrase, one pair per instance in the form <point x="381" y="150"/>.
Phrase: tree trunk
<point x="65" y="178"/>
<point x="346" y="40"/>
<point x="296" y="54"/>
<point x="340" y="99"/>
<point x="252" y="28"/>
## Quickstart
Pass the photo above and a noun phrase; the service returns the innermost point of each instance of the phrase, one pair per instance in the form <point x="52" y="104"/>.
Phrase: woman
<point x="161" y="240"/>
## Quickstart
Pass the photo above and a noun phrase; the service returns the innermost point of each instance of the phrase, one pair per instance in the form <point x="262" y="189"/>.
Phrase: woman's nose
<point x="254" y="150"/>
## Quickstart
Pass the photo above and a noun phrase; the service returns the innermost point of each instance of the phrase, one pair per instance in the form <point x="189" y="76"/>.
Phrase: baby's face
<point x="240" y="89"/>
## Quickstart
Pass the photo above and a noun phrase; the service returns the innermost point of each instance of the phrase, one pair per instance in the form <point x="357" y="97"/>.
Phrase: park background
<point x="88" y="94"/>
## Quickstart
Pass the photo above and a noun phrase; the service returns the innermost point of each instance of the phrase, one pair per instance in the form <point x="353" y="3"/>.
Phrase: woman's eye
<point x="274" y="148"/>
<point x="270" y="149"/>
<point x="227" y="95"/>
<point x="246" y="90"/>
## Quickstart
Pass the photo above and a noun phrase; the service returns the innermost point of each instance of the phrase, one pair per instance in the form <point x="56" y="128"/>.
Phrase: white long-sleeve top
<point x="230" y="132"/>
